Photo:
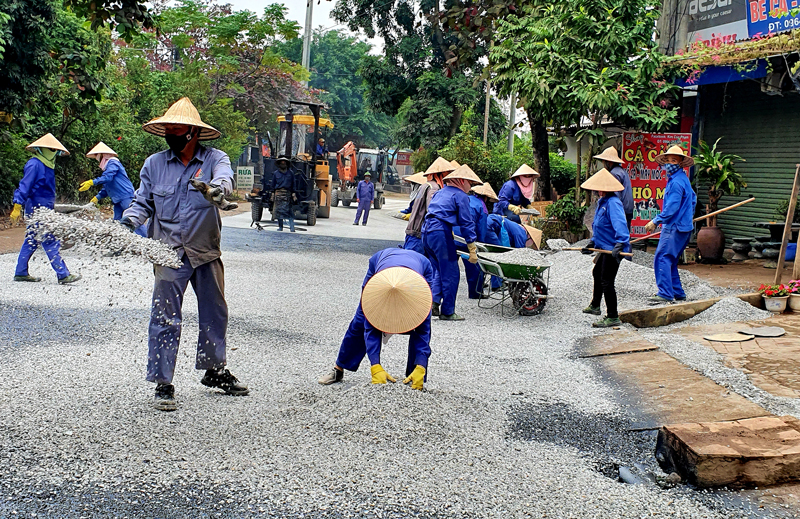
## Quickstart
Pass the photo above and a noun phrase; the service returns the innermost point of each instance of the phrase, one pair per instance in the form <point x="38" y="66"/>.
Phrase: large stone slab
<point x="743" y="453"/>
<point x="675" y="313"/>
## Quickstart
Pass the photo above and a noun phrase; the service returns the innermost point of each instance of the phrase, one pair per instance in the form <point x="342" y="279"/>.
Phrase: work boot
<point x="451" y="317"/>
<point x="331" y="378"/>
<point x="608" y="322"/>
<point x="165" y="398"/>
<point x="365" y="223"/>
<point x="435" y="309"/>
<point x="594" y="310"/>
<point x="355" y="223"/>
<point x="69" y="279"/>
<point x="27" y="277"/>
<point x="657" y="300"/>
<point x="680" y="298"/>
<point x="224" y="380"/>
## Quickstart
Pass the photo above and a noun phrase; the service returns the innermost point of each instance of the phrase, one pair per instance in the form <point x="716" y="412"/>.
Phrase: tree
<point x="127" y="17"/>
<point x="583" y="58"/>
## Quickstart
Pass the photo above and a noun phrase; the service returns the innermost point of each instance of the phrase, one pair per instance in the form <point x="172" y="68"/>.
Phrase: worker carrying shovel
<point x="395" y="299"/>
<point x="676" y="222"/>
<point x="182" y="190"/>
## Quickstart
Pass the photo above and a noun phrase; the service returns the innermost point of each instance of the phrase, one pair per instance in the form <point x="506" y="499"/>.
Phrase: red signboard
<point x="648" y="180"/>
<point x="403" y="158"/>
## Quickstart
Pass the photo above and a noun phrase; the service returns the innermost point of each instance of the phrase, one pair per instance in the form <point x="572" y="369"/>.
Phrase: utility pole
<point x="486" y="113"/>
<point x="306" y="61"/>
<point x="512" y="119"/>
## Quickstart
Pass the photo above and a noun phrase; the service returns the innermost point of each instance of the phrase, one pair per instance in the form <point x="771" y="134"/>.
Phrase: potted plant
<point x="794" y="295"/>
<point x="775" y="297"/>
<point x="717" y="170"/>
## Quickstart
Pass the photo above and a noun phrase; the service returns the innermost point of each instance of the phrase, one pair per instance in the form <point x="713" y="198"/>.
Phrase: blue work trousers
<point x="208" y="282"/>
<point x="669" y="250"/>
<point x="354" y="344"/>
<point x="511" y="216"/>
<point x="440" y="248"/>
<point x="50" y="245"/>
<point x="414" y="243"/>
<point x="363" y="206"/>
<point x="474" y="275"/>
<point x="119" y="208"/>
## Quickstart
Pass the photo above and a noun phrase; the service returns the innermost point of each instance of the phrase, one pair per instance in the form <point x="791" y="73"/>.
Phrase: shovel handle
<point x="599" y="250"/>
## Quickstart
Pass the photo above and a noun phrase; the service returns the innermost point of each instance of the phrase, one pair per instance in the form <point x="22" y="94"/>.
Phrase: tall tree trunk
<point x="455" y="120"/>
<point x="541" y="152"/>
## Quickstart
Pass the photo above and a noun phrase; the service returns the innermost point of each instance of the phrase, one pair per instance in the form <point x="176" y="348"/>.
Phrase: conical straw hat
<point x="486" y="190"/>
<point x="182" y="112"/>
<point x="602" y="181"/>
<point x="396" y="300"/>
<point x="686" y="160"/>
<point x="439" y="166"/>
<point x="48" y="141"/>
<point x="101" y="149"/>
<point x="610" y="154"/>
<point x="525" y="170"/>
<point x="416" y="178"/>
<point x="466" y="173"/>
<point x="455" y="164"/>
<point x="535" y="234"/>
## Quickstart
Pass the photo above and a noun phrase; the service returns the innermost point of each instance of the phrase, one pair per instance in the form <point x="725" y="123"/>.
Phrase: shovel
<point x="556" y="246"/>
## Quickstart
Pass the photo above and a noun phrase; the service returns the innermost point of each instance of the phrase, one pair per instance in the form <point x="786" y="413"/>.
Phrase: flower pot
<point x="776" y="305"/>
<point x="794" y="302"/>
<point x="711" y="243"/>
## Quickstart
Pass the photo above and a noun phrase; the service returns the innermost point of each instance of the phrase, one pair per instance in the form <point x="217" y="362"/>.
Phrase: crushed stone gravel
<point x="527" y="257"/>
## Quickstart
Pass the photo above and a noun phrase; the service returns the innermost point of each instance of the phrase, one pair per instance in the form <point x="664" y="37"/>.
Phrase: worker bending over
<point x="449" y="207"/>
<point x="676" y="222"/>
<point x="517" y="193"/>
<point x="365" y="194"/>
<point x="435" y="175"/>
<point x="395" y="299"/>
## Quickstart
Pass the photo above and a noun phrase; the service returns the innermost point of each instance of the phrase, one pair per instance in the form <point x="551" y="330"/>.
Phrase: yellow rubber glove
<point x="417" y="378"/>
<point x="379" y="375"/>
<point x="16" y="213"/>
<point x="473" y="252"/>
<point x="95" y="201"/>
<point x="650" y="227"/>
<point x="407" y="216"/>
<point x="514" y="209"/>
<point x="86" y="185"/>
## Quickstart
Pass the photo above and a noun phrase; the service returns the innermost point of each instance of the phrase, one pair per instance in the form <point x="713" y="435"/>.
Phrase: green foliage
<point x="127" y="17"/>
<point x="423" y="158"/>
<point x="566" y="211"/>
<point x="717" y="170"/>
<point x="782" y="209"/>
<point x="562" y="173"/>
<point x="466" y="148"/>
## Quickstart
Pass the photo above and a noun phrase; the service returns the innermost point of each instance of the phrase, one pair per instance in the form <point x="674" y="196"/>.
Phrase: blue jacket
<point x="677" y="209"/>
<point x="626" y="195"/>
<point x="283" y="180"/>
<point x="479" y="214"/>
<point x="450" y="207"/>
<point x="610" y="226"/>
<point x="37" y="187"/>
<point x="115" y="182"/>
<point x="365" y="191"/>
<point x="502" y="231"/>
<point x="510" y="193"/>
<point x="385" y="259"/>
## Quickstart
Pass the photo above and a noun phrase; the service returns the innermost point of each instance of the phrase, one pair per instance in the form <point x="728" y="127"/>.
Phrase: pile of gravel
<point x="527" y="257"/>
<point x="728" y="310"/>
<point x="101" y="236"/>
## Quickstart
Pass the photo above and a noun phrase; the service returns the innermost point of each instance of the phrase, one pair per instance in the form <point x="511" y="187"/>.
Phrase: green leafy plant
<point x="774" y="290"/>
<point x="717" y="169"/>
<point x="565" y="211"/>
<point x="782" y="209"/>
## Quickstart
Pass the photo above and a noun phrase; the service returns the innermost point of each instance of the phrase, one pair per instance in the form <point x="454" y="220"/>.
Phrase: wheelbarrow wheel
<point x="527" y="301"/>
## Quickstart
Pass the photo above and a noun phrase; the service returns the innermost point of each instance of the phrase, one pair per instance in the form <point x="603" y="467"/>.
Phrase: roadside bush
<point x="566" y="212"/>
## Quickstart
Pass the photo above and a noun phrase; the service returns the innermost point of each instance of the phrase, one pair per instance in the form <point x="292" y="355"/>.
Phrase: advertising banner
<point x="763" y="17"/>
<point x="648" y="181"/>
<point x="403" y="158"/>
<point x="244" y="177"/>
<point x="717" y="20"/>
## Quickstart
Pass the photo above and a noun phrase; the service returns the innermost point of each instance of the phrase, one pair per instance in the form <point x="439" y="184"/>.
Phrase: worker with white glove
<point x="677" y="212"/>
<point x="448" y="208"/>
<point x="517" y="193"/>
<point x="395" y="299"/>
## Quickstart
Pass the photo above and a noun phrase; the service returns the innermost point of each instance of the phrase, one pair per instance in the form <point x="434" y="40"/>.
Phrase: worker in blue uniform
<point x="283" y="195"/>
<point x="365" y="194"/>
<point x="114" y="182"/>
<point x="478" y="199"/>
<point x="613" y="163"/>
<point x="609" y="232"/>
<point x="435" y="175"/>
<point x="322" y="150"/>
<point x="517" y="193"/>
<point x="188" y="220"/>
<point x="395" y="299"/>
<point x="676" y="216"/>
<point x="38" y="189"/>
<point x="449" y="207"/>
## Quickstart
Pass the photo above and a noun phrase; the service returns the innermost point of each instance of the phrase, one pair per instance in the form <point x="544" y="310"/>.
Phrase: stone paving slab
<point x="616" y="344"/>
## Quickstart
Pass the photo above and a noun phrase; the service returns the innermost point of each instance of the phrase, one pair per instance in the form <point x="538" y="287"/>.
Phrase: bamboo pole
<point x="699" y="218"/>
<point x="599" y="250"/>
<point x="787" y="227"/>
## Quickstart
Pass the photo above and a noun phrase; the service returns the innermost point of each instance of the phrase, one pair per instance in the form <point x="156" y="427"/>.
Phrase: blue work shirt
<point x="385" y="259"/>
<point x="365" y="191"/>
<point x="515" y="235"/>
<point x="114" y="182"/>
<point x="283" y="179"/>
<point x="450" y="207"/>
<point x="677" y="209"/>
<point x="321" y="150"/>
<point x="179" y="214"/>
<point x="37" y="187"/>
<point x="510" y="193"/>
<point x="479" y="215"/>
<point x="610" y="226"/>
<point x="626" y="195"/>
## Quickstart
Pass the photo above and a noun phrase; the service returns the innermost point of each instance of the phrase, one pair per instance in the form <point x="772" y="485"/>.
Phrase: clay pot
<point x="711" y="243"/>
<point x="794" y="302"/>
<point x="776" y="305"/>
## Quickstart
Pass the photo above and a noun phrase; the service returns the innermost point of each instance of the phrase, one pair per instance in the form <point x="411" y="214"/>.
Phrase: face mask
<point x="177" y="143"/>
<point x="671" y="169"/>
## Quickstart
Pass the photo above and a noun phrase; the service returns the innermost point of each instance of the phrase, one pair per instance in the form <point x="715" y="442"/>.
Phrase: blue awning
<point x="725" y="74"/>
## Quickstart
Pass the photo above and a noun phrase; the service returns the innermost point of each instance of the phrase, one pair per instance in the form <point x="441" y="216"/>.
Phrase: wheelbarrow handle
<point x="599" y="250"/>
